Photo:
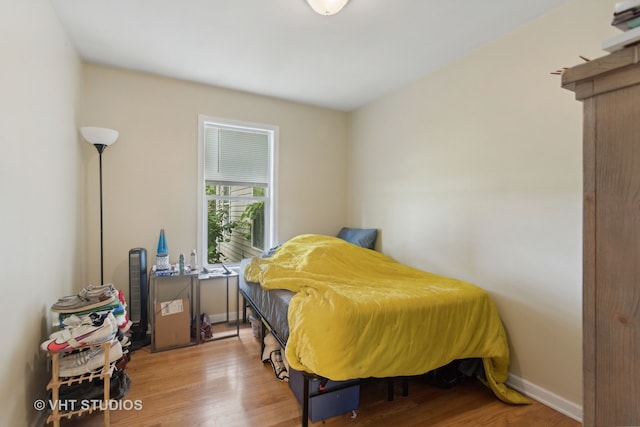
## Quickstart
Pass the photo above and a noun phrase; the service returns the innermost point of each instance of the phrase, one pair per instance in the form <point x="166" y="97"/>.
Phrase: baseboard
<point x="546" y="397"/>
<point x="222" y="317"/>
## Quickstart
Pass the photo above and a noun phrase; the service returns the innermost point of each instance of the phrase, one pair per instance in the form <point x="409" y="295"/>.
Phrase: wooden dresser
<point x="609" y="88"/>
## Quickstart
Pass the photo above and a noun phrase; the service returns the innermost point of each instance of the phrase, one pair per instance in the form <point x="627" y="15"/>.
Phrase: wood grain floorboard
<point x="224" y="384"/>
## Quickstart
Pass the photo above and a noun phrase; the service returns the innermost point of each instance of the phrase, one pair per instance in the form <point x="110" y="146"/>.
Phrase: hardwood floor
<point x="224" y="384"/>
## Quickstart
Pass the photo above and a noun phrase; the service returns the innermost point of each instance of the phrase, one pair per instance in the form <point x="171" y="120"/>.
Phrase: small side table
<point x="204" y="277"/>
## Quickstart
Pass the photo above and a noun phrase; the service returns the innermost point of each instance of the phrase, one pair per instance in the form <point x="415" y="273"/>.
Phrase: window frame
<point x="270" y="210"/>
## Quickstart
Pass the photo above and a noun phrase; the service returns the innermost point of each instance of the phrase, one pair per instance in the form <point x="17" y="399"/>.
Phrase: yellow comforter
<point x="358" y="313"/>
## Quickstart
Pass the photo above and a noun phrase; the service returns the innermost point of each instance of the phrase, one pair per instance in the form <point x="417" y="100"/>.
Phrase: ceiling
<point x="281" y="48"/>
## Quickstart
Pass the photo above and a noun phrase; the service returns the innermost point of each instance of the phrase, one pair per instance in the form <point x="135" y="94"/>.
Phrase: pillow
<point x="365" y="237"/>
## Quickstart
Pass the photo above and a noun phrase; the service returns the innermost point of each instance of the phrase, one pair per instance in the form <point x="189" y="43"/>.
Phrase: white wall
<point x="41" y="181"/>
<point x="475" y="172"/>
<point x="150" y="173"/>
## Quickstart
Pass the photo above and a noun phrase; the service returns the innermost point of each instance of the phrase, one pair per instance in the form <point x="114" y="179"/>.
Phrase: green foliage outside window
<point x="221" y="226"/>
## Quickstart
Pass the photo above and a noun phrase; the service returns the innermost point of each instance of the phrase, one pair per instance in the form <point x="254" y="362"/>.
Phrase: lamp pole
<point x="100" y="148"/>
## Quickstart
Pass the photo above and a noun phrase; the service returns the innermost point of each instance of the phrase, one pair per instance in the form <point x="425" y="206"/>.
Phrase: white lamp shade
<point x="99" y="136"/>
<point x="327" y="7"/>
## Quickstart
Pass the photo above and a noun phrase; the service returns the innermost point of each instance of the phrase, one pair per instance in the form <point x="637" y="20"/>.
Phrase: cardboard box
<point x="172" y="324"/>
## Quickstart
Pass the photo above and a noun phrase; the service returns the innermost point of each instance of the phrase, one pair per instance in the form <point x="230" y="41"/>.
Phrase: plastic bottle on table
<point x="181" y="263"/>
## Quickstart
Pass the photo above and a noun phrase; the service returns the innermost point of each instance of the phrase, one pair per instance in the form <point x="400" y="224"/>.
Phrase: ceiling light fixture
<point x="327" y="7"/>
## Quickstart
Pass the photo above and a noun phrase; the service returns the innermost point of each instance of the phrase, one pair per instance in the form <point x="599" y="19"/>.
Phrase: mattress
<point x="273" y="305"/>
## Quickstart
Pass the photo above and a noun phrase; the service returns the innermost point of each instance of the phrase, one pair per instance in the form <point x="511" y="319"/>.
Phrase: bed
<point x="343" y="312"/>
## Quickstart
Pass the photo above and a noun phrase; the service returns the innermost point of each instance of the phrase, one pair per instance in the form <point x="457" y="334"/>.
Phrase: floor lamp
<point x="101" y="138"/>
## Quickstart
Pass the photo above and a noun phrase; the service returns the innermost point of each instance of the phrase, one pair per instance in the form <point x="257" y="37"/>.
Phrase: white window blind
<point x="234" y="156"/>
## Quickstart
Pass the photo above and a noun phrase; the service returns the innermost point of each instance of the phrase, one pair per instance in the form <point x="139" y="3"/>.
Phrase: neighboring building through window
<point x="236" y="189"/>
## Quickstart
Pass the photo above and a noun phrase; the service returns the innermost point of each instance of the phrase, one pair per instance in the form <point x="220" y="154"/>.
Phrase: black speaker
<point x="138" y="294"/>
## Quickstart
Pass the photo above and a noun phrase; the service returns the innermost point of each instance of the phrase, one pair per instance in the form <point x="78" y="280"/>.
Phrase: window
<point x="235" y="190"/>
